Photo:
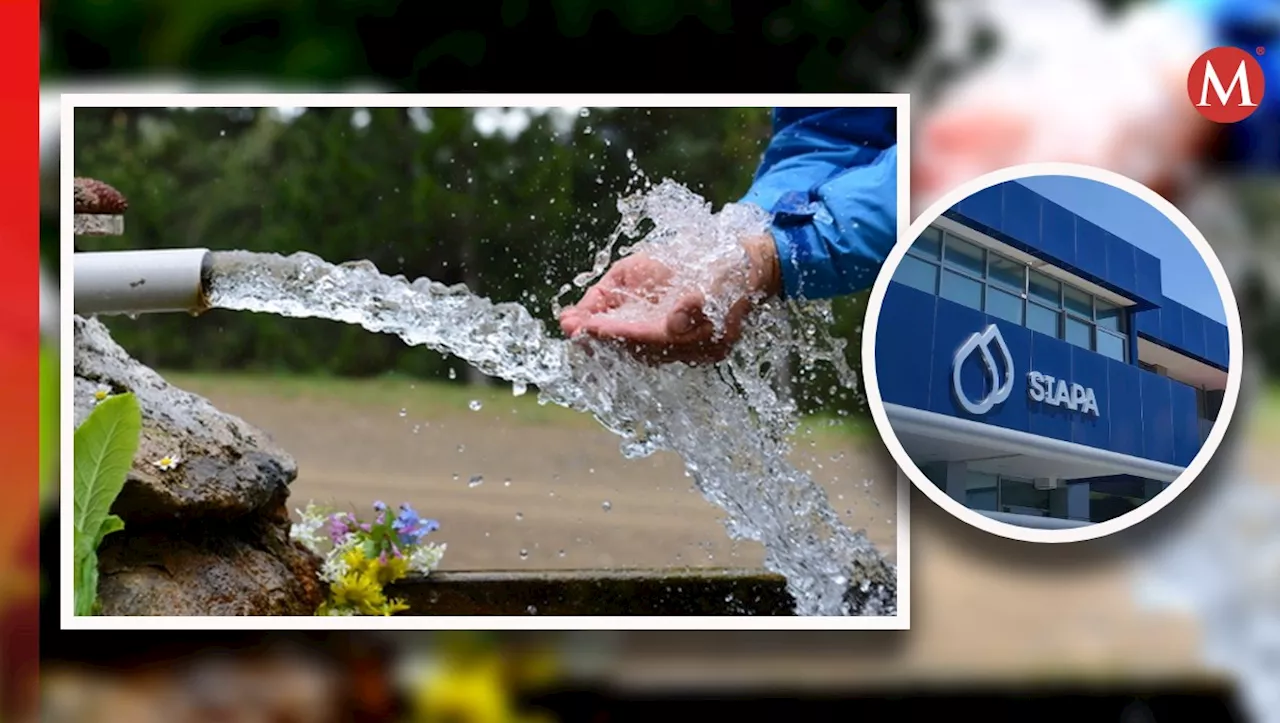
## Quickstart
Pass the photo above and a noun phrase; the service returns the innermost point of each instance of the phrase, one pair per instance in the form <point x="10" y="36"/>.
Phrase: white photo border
<point x="69" y="102"/>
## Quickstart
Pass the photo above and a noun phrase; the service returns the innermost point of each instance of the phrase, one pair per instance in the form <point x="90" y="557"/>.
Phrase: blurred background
<point x="989" y="618"/>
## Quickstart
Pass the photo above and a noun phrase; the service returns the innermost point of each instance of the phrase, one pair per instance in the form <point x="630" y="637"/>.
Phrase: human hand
<point x="640" y="303"/>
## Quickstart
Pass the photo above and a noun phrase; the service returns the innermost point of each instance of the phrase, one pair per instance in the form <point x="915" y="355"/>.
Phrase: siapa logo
<point x="1041" y="388"/>
<point x="981" y="342"/>
<point x="1226" y="84"/>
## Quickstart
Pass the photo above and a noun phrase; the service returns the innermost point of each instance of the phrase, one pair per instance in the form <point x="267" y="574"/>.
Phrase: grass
<point x="439" y="399"/>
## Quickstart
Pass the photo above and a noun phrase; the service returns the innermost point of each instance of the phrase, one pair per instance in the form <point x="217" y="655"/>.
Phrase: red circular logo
<point x="1225" y="85"/>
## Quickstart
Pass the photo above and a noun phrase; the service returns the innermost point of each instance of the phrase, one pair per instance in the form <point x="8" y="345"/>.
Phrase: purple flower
<point x="410" y="527"/>
<point x="338" y="528"/>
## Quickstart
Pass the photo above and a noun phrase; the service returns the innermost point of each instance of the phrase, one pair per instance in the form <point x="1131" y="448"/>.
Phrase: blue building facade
<point x="1031" y="365"/>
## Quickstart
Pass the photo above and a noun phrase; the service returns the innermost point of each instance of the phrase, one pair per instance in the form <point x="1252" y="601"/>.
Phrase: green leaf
<point x="109" y="525"/>
<point x="86" y="582"/>
<point x="105" y="445"/>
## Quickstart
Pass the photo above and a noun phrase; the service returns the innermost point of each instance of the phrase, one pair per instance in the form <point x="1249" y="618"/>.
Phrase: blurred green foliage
<point x="419" y="193"/>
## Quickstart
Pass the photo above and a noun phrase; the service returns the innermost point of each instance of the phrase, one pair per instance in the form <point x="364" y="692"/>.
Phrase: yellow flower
<point x="355" y="559"/>
<point x="395" y="605"/>
<point x="359" y="590"/>
<point x="393" y="569"/>
<point x="471" y="692"/>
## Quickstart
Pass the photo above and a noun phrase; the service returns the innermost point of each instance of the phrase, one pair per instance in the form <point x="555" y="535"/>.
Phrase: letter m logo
<point x="1226" y="84"/>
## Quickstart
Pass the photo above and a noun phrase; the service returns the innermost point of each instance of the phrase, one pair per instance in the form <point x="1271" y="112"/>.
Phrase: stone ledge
<point x="677" y="591"/>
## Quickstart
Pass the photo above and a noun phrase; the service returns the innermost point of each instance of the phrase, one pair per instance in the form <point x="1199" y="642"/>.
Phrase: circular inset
<point x="1031" y="376"/>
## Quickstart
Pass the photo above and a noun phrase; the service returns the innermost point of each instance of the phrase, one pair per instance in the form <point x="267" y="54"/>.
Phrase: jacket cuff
<point x="801" y="248"/>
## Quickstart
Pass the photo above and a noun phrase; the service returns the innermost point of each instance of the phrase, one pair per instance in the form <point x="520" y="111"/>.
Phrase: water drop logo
<point x="981" y="342"/>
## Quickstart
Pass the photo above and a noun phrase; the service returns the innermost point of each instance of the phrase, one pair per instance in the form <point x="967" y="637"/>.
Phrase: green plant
<point x="105" y="445"/>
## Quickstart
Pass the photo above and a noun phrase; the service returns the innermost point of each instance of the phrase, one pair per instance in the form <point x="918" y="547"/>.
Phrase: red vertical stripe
<point x="19" y="332"/>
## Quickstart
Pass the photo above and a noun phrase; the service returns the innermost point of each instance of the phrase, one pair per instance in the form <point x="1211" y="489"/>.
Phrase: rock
<point x="91" y="196"/>
<point x="246" y="567"/>
<point x="228" y="468"/>
<point x="211" y="536"/>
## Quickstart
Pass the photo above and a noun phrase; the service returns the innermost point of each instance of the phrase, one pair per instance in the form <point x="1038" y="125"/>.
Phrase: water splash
<point x="728" y="422"/>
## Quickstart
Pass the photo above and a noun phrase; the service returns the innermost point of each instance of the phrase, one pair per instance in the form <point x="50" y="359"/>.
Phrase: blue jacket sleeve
<point x="830" y="178"/>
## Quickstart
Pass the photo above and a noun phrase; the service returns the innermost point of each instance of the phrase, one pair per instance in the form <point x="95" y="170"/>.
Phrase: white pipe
<point x="1044" y="523"/>
<point x="140" y="282"/>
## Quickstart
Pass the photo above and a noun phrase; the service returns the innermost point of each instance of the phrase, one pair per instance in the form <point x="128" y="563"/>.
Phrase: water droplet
<point x="475" y="405"/>
<point x="462" y="448"/>
<point x="453" y="373"/>
<point x="455" y="476"/>
<point x="476" y="480"/>
<point x="519" y="516"/>
<point x="404" y="412"/>
<point x="533" y="609"/>
<point x="518" y="389"/>
<point x="584" y="112"/>
<point x="506" y="482"/>
<point x="606" y="505"/>
<point x="560" y="553"/>
<point x="524" y="554"/>
<point x="591" y="470"/>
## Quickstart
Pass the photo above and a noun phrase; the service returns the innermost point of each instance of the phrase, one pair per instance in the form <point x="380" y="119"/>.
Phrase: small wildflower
<point x="426" y="558"/>
<point x="411" y="528"/>
<point x="168" y="462"/>
<point x="339" y="527"/>
<point x="307" y="529"/>
<point x="392" y="570"/>
<point x="101" y="392"/>
<point x="359" y="590"/>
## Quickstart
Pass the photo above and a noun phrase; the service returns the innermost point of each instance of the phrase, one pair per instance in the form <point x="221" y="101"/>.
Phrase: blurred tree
<point x="513" y="203"/>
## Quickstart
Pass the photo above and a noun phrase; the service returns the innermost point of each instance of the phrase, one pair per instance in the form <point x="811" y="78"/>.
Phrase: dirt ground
<point x="499" y="485"/>
<point x="980" y="606"/>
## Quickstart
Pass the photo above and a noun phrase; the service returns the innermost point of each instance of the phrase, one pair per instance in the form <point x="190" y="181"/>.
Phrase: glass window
<point x="929" y="244"/>
<point x="964" y="255"/>
<point x="1044" y="289"/>
<point x="1007" y="272"/>
<point x="1021" y="497"/>
<point x="917" y="274"/>
<point x="1110" y="316"/>
<point x="1004" y="305"/>
<point x="1077" y="302"/>
<point x="981" y="491"/>
<point x="1112" y="345"/>
<point x="1079" y="333"/>
<point x="1042" y="319"/>
<point x="961" y="289"/>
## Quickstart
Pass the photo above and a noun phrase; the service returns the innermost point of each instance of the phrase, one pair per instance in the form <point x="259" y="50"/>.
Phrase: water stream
<point x="728" y="422"/>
